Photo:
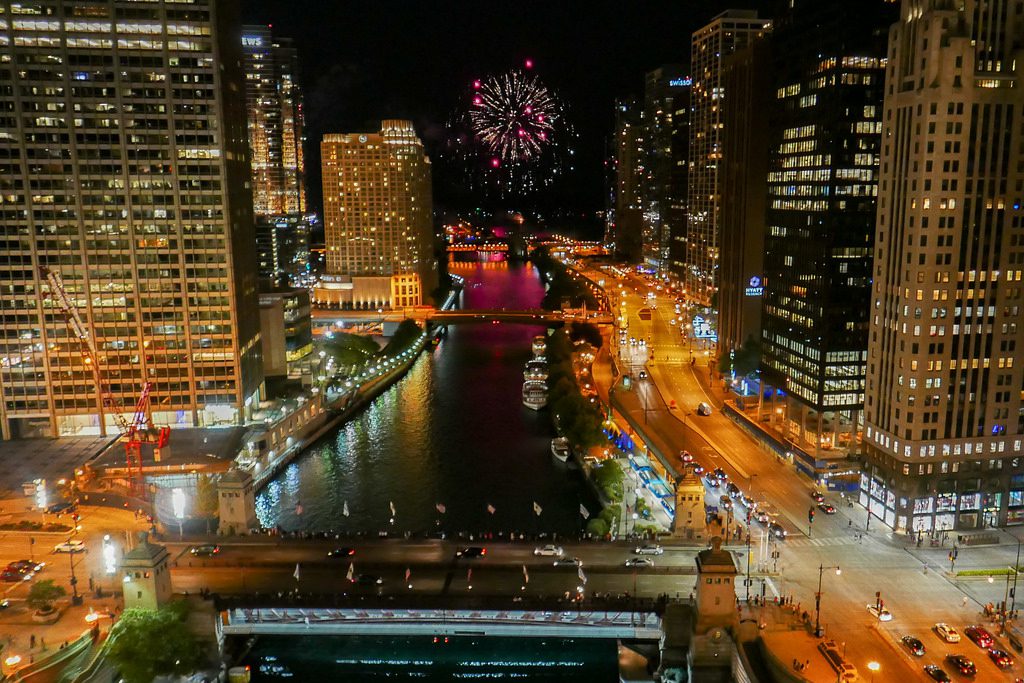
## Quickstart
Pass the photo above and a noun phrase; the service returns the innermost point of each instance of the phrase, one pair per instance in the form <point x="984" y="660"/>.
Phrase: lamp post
<point x="817" y="597"/>
<point x="874" y="667"/>
<point x="1013" y="593"/>
<point x="76" y="599"/>
<point x="749" y="512"/>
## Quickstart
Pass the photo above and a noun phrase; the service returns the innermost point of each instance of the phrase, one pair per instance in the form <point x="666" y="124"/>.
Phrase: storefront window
<point x="945" y="502"/>
<point x="1016" y="498"/>
<point x="970" y="501"/>
<point x="923" y="506"/>
<point x="944" y="521"/>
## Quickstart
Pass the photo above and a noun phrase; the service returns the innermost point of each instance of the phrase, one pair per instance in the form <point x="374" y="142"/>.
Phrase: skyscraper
<point x="276" y="127"/>
<point x="944" y="420"/>
<point x="825" y="125"/>
<point x="728" y="32"/>
<point x="378" y="221"/>
<point x="630" y="173"/>
<point x="125" y="170"/>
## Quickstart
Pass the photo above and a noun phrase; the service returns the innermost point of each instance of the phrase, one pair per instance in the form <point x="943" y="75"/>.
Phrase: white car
<point x="649" y="550"/>
<point x="639" y="562"/>
<point x="69" y="547"/>
<point x="549" y="551"/>
<point x="947" y="632"/>
<point x="880" y="614"/>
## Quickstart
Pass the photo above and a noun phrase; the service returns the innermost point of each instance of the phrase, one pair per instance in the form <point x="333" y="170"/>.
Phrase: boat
<point x="540" y="345"/>
<point x="535" y="394"/>
<point x="536" y="370"/>
<point x="560" y="448"/>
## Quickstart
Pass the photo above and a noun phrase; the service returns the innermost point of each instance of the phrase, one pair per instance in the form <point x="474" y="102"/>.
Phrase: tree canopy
<point x="145" y="644"/>
<point x="44" y="593"/>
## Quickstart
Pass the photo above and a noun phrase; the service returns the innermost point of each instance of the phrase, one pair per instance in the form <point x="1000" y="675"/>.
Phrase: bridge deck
<point x="507" y="623"/>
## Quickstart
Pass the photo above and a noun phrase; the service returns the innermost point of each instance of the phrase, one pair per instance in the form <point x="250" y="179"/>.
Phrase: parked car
<point x="979" y="636"/>
<point x="882" y="614"/>
<point x="205" y="550"/>
<point x="548" y="551"/>
<point x="69" y="547"/>
<point x="913" y="644"/>
<point x="639" y="562"/>
<point x="1001" y="658"/>
<point x="962" y="664"/>
<point x="471" y="552"/>
<point x="947" y="632"/>
<point x="339" y="553"/>
<point x="937" y="674"/>
<point x="649" y="549"/>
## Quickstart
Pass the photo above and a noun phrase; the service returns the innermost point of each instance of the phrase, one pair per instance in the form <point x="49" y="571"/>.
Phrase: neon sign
<point x="680" y="82"/>
<point x="755" y="287"/>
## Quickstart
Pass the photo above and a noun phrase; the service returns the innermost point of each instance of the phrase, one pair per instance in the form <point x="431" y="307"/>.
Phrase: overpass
<point x="538" y="316"/>
<point x="621" y="625"/>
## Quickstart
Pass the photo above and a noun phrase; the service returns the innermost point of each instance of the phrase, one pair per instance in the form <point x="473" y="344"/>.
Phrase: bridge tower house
<point x="146" y="575"/>
<point x="716" y="585"/>
<point x="236" y="499"/>
<point x="690" y="521"/>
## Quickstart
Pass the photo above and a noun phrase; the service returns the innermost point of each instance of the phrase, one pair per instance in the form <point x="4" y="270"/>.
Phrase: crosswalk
<point x="820" y="542"/>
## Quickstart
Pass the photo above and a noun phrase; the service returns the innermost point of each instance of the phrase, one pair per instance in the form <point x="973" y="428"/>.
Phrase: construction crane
<point x="140" y="428"/>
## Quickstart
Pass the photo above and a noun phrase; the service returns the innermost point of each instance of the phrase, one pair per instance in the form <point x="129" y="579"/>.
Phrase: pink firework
<point x="514" y="116"/>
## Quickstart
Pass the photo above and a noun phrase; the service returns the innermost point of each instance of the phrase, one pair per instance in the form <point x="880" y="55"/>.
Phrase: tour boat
<point x="535" y="370"/>
<point x="560" y="448"/>
<point x="535" y="395"/>
<point x="539" y="345"/>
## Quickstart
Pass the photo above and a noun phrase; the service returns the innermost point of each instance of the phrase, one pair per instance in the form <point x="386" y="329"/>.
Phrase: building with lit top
<point x="630" y="174"/>
<point x="726" y="33"/>
<point x="944" y="421"/>
<point x="824" y="140"/>
<point x="276" y="128"/>
<point x="378" y="222"/>
<point x="125" y="169"/>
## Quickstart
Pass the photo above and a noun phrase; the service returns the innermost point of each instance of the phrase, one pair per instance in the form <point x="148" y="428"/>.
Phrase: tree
<point x="207" y="503"/>
<point x="43" y="594"/>
<point x="597" y="526"/>
<point x="145" y="644"/>
<point x="588" y="332"/>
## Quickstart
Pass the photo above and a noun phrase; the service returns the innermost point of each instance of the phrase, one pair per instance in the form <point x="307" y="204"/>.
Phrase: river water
<point x="453" y="431"/>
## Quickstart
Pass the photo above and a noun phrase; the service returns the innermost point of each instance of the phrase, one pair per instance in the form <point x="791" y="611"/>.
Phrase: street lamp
<point x="874" y="667"/>
<point x="749" y="512"/>
<point x="817" y="598"/>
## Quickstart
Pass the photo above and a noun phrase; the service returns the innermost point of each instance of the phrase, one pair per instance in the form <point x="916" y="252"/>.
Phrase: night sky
<point x="367" y="60"/>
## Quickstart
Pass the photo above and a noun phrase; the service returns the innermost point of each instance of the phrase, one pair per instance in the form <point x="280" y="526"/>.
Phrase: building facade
<point x="944" y="421"/>
<point x="378" y="219"/>
<point x="282" y="250"/>
<point x="276" y="128"/>
<point x="630" y="174"/>
<point x="125" y="170"/>
<point x="730" y="31"/>
<point x="825" y="137"/>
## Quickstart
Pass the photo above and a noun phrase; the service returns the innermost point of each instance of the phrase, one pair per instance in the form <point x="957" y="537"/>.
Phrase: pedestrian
<point x="32" y="641"/>
<point x="849" y="523"/>
<point x="807" y="663"/>
<point x="964" y="601"/>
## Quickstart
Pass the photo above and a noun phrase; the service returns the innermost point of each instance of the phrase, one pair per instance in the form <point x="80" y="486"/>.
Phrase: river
<point x="453" y="432"/>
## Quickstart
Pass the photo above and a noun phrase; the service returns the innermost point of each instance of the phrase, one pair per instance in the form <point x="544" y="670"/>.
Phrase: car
<point x="817" y="495"/>
<point x="937" y="674"/>
<point x="697" y="469"/>
<point x="947" y="632"/>
<point x="703" y="409"/>
<point x="549" y="551"/>
<point x="13" y="575"/>
<point x="25" y="566"/>
<point x="979" y="636"/>
<point x="339" y="553"/>
<point x="58" y="508"/>
<point x="686" y="456"/>
<point x="643" y="374"/>
<point x="1001" y="658"/>
<point x="826" y="508"/>
<point x="882" y="614"/>
<point x="471" y="552"/>
<point x="762" y="516"/>
<point x="204" y="550"/>
<point x="913" y="644"/>
<point x="733" y="490"/>
<point x="962" y="664"/>
<point x="639" y="562"/>
<point x="368" y="580"/>
<point x="567" y="562"/>
<point x="748" y="502"/>
<point x="711" y="480"/>
<point x="725" y="502"/>
<point x="649" y="549"/>
<point x="721" y="475"/>
<point x="69" y="547"/>
<point x="776" y="530"/>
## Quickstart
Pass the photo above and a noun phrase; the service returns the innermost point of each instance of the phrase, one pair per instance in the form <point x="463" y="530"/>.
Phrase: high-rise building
<point x="726" y="33"/>
<point x="944" y="420"/>
<point x="824" y="140"/>
<point x="666" y="112"/>
<point x="282" y="250"/>
<point x="125" y="170"/>
<point x="630" y="173"/>
<point x="276" y="127"/>
<point x="378" y="221"/>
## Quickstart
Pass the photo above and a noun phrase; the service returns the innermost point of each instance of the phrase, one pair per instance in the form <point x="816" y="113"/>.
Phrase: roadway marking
<point x="820" y="542"/>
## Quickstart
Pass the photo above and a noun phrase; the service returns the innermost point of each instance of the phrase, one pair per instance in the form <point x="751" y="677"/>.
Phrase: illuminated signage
<point x="702" y="329"/>
<point x="252" y="41"/>
<point x="755" y="287"/>
<point x="680" y="82"/>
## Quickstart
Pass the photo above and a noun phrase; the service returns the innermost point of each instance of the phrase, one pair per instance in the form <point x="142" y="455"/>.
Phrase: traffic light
<point x="810" y="515"/>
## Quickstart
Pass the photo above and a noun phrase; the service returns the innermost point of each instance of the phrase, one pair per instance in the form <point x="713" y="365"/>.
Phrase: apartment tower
<point x="944" y="420"/>
<point x="125" y="170"/>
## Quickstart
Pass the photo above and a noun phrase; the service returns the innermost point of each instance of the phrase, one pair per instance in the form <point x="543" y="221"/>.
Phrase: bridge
<point x="622" y="625"/>
<point x="538" y="316"/>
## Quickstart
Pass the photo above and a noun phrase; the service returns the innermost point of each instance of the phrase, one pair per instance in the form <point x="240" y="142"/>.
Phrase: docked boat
<point x="560" y="448"/>
<point x="535" y="395"/>
<point x="540" y="345"/>
<point x="536" y="370"/>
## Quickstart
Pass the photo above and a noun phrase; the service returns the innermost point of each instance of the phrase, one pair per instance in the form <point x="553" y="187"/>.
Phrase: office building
<point x="274" y="103"/>
<point x="665" y="114"/>
<point x="287" y="332"/>
<point x="730" y="31"/>
<point x="824" y="140"/>
<point x="125" y="171"/>
<point x="282" y="250"/>
<point x="630" y="173"/>
<point x="378" y="222"/>
<point x="944" y="421"/>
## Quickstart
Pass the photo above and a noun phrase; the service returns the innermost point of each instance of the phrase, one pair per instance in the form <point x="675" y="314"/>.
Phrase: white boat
<point x="540" y="345"/>
<point x="535" y="395"/>
<point x="536" y="370"/>
<point x="560" y="448"/>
